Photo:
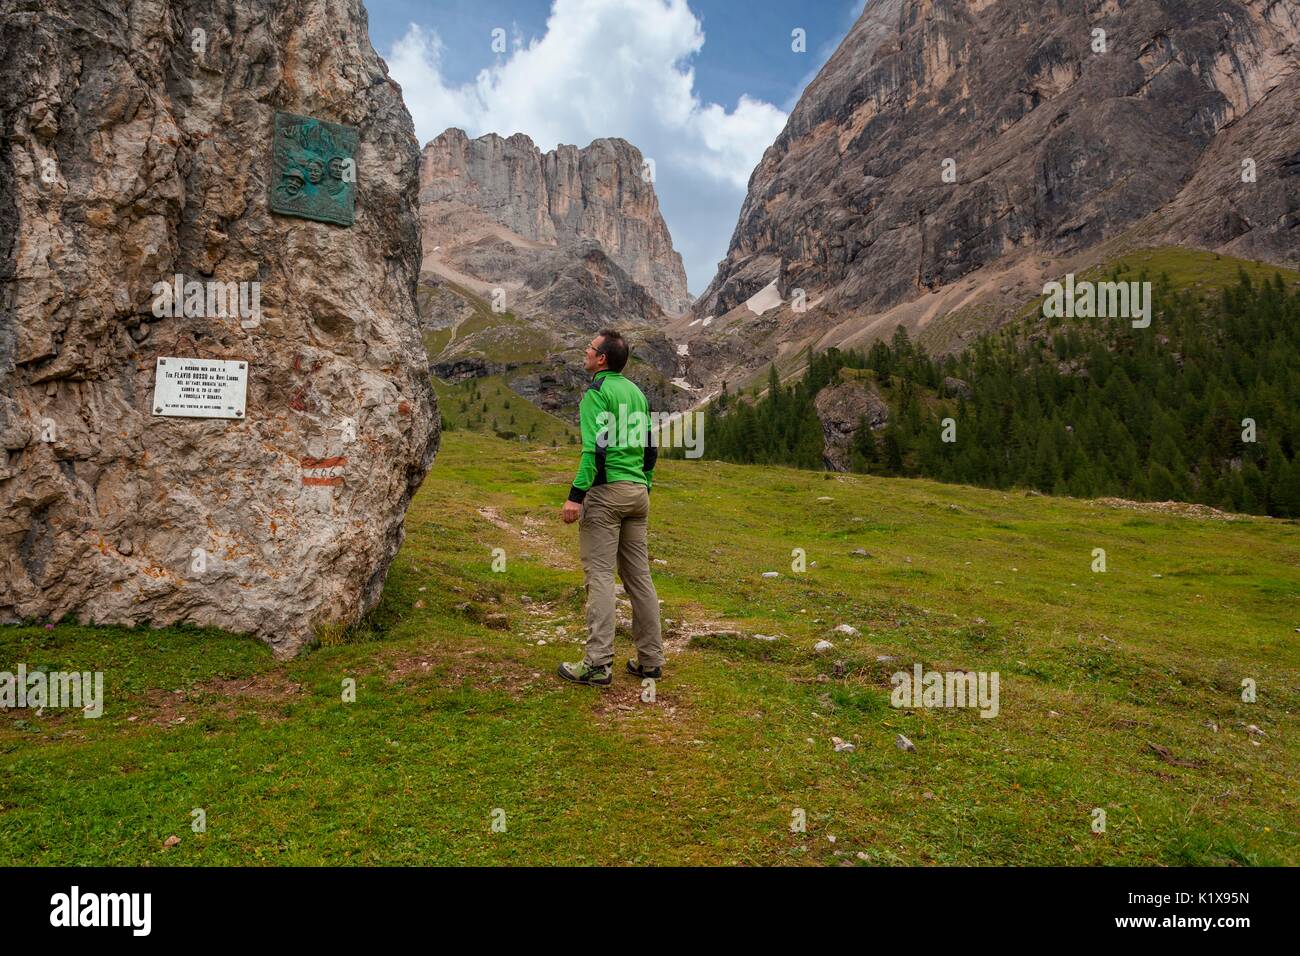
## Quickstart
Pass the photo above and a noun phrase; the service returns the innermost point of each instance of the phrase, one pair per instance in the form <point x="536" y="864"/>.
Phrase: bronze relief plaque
<point x="314" y="169"/>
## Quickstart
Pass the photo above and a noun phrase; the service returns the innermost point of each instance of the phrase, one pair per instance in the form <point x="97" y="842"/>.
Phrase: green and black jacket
<point x="616" y="445"/>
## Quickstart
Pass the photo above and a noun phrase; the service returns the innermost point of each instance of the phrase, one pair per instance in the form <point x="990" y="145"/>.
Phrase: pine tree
<point x="863" y="448"/>
<point x="1284" y="493"/>
<point x="893" y="451"/>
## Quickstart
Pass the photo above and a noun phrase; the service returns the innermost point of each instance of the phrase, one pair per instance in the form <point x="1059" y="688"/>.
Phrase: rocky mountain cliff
<point x="555" y="199"/>
<point x="145" y="145"/>
<point x="527" y="254"/>
<point x="952" y="155"/>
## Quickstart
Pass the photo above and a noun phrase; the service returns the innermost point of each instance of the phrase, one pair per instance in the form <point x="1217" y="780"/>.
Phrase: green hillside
<point x="491" y="336"/>
<point x="1201" y="406"/>
<point x="489" y="406"/>
<point x="1119" y="690"/>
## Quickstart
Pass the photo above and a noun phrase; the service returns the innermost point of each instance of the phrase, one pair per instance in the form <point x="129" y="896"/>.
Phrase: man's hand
<point x="571" y="512"/>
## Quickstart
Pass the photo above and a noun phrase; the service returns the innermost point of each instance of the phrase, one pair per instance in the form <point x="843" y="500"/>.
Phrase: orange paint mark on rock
<point x="323" y="471"/>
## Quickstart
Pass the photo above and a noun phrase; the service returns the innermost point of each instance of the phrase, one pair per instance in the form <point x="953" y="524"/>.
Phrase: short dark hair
<point x="614" y="347"/>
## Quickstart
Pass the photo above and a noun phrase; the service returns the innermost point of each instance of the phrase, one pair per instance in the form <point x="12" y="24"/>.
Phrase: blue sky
<point x="700" y="86"/>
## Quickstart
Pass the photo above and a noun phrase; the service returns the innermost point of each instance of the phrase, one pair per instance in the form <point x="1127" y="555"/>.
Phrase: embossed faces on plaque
<point x="313" y="169"/>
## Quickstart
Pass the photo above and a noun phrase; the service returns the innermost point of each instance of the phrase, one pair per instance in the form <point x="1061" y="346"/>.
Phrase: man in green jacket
<point x="611" y="494"/>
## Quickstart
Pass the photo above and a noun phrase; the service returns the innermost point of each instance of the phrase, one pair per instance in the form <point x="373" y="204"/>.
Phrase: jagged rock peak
<point x="567" y="194"/>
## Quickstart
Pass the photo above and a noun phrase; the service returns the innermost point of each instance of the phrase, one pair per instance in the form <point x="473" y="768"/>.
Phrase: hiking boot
<point x="636" y="670"/>
<point x="584" y="673"/>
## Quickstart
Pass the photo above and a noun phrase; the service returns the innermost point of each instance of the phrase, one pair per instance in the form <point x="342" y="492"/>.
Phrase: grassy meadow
<point x="1119" y="690"/>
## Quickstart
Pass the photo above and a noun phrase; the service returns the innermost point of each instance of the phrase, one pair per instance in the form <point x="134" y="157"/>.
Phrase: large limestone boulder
<point x="138" y="146"/>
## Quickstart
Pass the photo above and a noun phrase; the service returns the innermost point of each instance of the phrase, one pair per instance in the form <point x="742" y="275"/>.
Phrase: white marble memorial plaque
<point x="200" y="388"/>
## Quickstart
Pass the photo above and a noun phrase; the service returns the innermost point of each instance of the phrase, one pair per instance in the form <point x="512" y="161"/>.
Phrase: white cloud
<point x="415" y="61"/>
<point x="609" y="68"/>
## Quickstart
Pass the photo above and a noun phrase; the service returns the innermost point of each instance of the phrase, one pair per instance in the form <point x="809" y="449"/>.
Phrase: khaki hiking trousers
<point x="612" y="536"/>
